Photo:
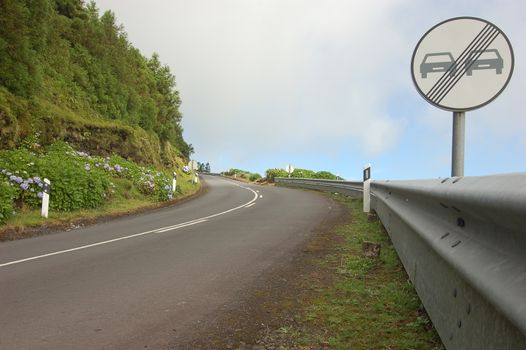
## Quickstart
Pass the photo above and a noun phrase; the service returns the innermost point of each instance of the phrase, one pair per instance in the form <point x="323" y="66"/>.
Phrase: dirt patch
<point x="261" y="316"/>
<point x="14" y="233"/>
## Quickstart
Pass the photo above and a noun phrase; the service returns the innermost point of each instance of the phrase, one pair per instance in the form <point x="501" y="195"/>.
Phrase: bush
<point x="254" y="177"/>
<point x="273" y="173"/>
<point x="78" y="180"/>
<point x="75" y="184"/>
<point x="19" y="170"/>
<point x="325" y="175"/>
<point x="7" y="195"/>
<point x="303" y="173"/>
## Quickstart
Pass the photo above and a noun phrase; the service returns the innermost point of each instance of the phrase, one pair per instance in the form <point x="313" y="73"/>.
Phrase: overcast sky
<point x="324" y="85"/>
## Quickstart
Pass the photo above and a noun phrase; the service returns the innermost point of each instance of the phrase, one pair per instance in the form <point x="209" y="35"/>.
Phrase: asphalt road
<point x="141" y="282"/>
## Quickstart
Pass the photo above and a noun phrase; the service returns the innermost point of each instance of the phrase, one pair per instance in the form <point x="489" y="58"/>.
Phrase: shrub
<point x="75" y="183"/>
<point x="19" y="170"/>
<point x="325" y="175"/>
<point x="303" y="173"/>
<point x="273" y="173"/>
<point x="78" y="180"/>
<point x="254" y="177"/>
<point x="7" y="195"/>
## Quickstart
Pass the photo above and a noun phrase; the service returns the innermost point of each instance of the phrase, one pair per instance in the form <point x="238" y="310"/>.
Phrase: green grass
<point x="125" y="199"/>
<point x="371" y="304"/>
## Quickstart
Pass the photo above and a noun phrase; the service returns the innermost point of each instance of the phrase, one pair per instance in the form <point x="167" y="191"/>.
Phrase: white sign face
<point x="462" y="64"/>
<point x="192" y="165"/>
<point x="289" y="169"/>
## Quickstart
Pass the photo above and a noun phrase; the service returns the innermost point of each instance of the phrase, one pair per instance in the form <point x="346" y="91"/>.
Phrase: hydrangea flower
<point x="167" y="187"/>
<point x="36" y="179"/>
<point x="87" y="167"/>
<point x="118" y="168"/>
<point x="24" y="185"/>
<point x="40" y="195"/>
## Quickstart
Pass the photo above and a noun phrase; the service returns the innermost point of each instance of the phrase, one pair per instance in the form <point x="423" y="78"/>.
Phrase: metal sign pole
<point x="459" y="131"/>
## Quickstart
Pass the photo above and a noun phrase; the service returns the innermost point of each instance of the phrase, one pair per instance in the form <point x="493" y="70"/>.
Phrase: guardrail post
<point x="367" y="188"/>
<point x="45" y="198"/>
<point x="174" y="182"/>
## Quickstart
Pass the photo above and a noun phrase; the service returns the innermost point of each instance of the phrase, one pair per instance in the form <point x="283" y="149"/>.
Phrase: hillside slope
<point x="68" y="73"/>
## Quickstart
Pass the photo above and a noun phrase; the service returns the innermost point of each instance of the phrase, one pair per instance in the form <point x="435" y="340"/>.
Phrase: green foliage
<point x="254" y="177"/>
<point x="325" y="175"/>
<point x="73" y="184"/>
<point x="203" y="168"/>
<point x="273" y="173"/>
<point x="78" y="180"/>
<point x="61" y="55"/>
<point x="299" y="173"/>
<point x="7" y="195"/>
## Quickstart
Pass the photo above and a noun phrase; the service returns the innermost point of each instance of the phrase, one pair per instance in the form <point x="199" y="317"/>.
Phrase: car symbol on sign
<point x="436" y="62"/>
<point x="484" y="59"/>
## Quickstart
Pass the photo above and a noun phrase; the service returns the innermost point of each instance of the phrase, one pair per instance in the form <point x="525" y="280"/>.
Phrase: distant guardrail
<point x="349" y="188"/>
<point x="462" y="242"/>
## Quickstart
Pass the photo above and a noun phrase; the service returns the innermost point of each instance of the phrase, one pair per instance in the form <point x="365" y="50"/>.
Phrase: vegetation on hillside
<point x="242" y="175"/>
<point x="78" y="180"/>
<point x="300" y="173"/>
<point x="68" y="73"/>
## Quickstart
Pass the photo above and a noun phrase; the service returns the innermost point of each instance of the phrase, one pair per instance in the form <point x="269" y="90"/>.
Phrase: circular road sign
<point x="462" y="64"/>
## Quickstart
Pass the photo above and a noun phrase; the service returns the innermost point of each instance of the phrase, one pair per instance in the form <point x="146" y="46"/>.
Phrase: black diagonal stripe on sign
<point x="451" y="73"/>
<point x="447" y="74"/>
<point x="446" y="88"/>
<point x="466" y="67"/>
<point x="478" y="42"/>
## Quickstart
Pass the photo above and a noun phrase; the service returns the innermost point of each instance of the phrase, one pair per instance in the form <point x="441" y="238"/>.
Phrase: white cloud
<point x="258" y="76"/>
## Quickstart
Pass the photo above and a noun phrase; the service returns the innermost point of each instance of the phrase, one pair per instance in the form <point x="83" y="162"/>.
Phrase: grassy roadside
<point x="358" y="302"/>
<point x="326" y="296"/>
<point x="126" y="199"/>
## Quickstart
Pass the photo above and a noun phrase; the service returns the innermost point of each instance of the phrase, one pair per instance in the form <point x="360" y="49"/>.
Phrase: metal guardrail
<point x="349" y="188"/>
<point x="462" y="242"/>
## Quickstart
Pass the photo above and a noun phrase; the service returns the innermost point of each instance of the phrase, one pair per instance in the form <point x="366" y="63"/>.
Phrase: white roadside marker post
<point x="196" y="178"/>
<point x="367" y="188"/>
<point x="174" y="182"/>
<point x="45" y="198"/>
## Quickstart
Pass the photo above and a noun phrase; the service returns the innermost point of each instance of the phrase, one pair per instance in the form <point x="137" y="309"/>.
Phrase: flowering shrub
<point x="7" y="195"/>
<point x="19" y="168"/>
<point x="74" y="184"/>
<point x="78" y="180"/>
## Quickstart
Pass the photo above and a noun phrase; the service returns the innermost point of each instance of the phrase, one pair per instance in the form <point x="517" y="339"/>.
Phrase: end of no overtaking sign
<point x="462" y="64"/>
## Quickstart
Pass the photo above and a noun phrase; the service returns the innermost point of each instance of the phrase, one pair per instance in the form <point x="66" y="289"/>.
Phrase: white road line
<point x="180" y="226"/>
<point x="158" y="230"/>
<point x="248" y="206"/>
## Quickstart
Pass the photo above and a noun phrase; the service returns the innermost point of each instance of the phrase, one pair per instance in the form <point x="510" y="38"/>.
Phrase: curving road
<point x="139" y="282"/>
